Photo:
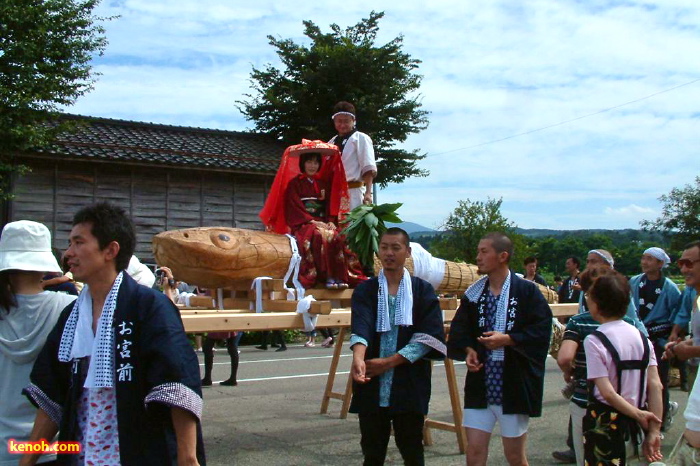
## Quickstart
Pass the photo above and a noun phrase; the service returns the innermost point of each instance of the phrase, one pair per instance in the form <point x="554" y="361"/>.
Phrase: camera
<point x="159" y="273"/>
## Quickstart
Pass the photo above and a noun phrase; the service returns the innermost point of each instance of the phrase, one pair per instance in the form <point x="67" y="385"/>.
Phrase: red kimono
<point x="323" y="251"/>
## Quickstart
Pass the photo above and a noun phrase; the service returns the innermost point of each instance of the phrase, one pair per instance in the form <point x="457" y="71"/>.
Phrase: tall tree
<point x="468" y="223"/>
<point x="45" y="52"/>
<point x="680" y="214"/>
<point x="380" y="80"/>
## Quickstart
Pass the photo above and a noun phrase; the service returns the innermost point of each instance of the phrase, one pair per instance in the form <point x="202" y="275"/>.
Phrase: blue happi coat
<point x="160" y="370"/>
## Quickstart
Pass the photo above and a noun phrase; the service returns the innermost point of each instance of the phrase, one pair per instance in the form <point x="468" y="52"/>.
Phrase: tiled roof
<point x="138" y="142"/>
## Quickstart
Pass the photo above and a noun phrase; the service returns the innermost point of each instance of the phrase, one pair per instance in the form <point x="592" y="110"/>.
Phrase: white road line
<point x="280" y="359"/>
<point x="320" y="374"/>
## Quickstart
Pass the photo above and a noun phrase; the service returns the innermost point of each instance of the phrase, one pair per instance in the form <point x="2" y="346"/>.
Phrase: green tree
<point x="680" y="215"/>
<point x="45" y="52"/>
<point x="468" y="223"/>
<point x="380" y="80"/>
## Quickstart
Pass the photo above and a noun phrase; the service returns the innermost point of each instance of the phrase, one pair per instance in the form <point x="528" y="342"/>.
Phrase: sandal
<point x="331" y="284"/>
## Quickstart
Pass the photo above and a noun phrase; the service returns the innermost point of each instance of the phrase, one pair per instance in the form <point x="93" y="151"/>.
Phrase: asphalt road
<point x="272" y="416"/>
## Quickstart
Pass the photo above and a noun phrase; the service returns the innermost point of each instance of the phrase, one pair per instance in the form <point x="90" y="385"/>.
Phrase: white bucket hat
<point x="26" y="245"/>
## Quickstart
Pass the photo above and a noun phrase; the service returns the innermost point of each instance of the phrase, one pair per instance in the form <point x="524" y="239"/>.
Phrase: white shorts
<point x="512" y="425"/>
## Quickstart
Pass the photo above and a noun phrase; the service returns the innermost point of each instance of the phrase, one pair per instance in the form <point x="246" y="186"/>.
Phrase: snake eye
<point x="223" y="239"/>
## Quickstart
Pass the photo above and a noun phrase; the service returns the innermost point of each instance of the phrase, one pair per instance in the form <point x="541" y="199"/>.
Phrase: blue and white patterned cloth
<point x="78" y="341"/>
<point x="474" y="293"/>
<point x="492" y="366"/>
<point x="404" y="302"/>
<point x="413" y="351"/>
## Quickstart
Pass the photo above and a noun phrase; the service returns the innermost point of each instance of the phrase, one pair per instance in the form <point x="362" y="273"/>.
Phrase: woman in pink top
<point x="622" y="367"/>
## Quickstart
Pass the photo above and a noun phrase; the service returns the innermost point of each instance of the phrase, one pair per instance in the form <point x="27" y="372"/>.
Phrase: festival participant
<point x="682" y="319"/>
<point x="620" y="362"/>
<point x="687" y="450"/>
<point x="603" y="258"/>
<point x="27" y="315"/>
<point x="572" y="361"/>
<point x="570" y="291"/>
<point x="396" y="327"/>
<point x="531" y="274"/>
<point x="324" y="255"/>
<point x="502" y="328"/>
<point x="656" y="297"/>
<point x="308" y="206"/>
<point x="117" y="373"/>
<point x="358" y="154"/>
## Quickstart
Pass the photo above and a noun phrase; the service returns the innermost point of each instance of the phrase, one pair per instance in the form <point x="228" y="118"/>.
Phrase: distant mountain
<point x="412" y="228"/>
<point x="632" y="233"/>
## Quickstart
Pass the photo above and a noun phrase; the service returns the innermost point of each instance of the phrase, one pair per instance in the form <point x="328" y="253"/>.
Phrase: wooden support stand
<point x="211" y="320"/>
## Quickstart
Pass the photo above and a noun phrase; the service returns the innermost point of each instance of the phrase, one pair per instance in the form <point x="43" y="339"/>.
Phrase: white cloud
<point x="492" y="70"/>
<point x="629" y="210"/>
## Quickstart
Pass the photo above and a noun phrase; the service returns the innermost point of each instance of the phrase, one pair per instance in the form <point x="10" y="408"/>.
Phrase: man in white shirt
<point x="357" y="154"/>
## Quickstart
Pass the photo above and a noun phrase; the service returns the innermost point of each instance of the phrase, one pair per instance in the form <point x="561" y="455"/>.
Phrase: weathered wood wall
<point x="157" y="199"/>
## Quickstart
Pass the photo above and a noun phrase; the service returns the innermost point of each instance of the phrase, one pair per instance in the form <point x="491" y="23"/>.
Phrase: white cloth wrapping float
<point x="295" y="292"/>
<point x="303" y="307"/>
<point x="257" y="286"/>
<point x="293" y="271"/>
<point x="425" y="266"/>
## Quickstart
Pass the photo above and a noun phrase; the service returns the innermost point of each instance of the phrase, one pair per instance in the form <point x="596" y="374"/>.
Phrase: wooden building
<point x="165" y="177"/>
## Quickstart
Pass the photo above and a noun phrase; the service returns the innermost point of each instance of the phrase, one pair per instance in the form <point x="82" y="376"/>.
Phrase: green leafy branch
<point x="364" y="225"/>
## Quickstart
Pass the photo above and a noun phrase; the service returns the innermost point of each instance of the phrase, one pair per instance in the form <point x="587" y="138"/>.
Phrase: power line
<point x="567" y="121"/>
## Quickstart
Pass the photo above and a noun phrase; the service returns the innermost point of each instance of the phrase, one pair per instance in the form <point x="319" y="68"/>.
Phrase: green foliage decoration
<point x="364" y="225"/>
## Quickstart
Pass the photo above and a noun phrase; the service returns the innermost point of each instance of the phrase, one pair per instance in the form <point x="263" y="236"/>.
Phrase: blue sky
<point x="579" y="114"/>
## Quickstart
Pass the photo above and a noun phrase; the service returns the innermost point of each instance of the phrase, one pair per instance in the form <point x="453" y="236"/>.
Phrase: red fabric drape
<point x="332" y="173"/>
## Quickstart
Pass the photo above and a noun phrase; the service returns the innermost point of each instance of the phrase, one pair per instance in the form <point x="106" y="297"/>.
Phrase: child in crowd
<point x="622" y="366"/>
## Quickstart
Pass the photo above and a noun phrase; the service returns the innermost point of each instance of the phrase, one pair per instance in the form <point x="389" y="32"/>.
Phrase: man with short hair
<point x="502" y="329"/>
<point x="396" y="327"/>
<point x="570" y="289"/>
<point x="531" y="274"/>
<point x="117" y="373"/>
<point x="357" y="154"/>
<point x="656" y="298"/>
<point x="687" y="450"/>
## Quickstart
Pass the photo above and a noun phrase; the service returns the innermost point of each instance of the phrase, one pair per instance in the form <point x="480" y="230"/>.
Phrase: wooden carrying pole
<point x="207" y="320"/>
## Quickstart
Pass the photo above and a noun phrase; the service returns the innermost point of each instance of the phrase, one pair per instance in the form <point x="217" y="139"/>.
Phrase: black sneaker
<point x="281" y="348"/>
<point x="229" y="382"/>
<point x="565" y="456"/>
<point x="206" y="382"/>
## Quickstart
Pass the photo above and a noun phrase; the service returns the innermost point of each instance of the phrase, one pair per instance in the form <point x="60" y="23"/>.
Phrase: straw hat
<point x="26" y="245"/>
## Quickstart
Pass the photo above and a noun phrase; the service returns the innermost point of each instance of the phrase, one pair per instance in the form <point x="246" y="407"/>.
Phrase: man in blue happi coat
<point x="502" y="329"/>
<point x="396" y="327"/>
<point x="656" y="298"/>
<point x="117" y="373"/>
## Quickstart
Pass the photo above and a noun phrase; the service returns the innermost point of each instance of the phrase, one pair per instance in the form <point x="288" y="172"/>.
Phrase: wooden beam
<point x="203" y="301"/>
<point x="235" y="303"/>
<point x="317" y="307"/>
<point x="449" y="303"/>
<point x="322" y="293"/>
<point x="564" y="310"/>
<point x="231" y="321"/>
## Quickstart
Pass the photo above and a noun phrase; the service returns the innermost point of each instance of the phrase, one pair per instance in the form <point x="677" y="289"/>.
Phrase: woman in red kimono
<point x="322" y="248"/>
<point x="307" y="199"/>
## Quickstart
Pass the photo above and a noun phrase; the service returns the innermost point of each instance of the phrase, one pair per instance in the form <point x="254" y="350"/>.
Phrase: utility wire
<point x="567" y="121"/>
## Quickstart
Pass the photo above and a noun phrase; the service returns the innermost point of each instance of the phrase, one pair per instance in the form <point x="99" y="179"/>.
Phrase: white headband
<point x="608" y="259"/>
<point x="342" y="113"/>
<point x="659" y="254"/>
